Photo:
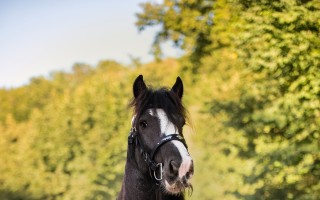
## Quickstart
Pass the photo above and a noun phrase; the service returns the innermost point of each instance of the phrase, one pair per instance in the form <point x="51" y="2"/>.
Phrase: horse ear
<point x="139" y="86"/>
<point x="178" y="87"/>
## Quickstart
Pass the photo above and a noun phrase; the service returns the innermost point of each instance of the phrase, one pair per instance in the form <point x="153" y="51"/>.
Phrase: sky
<point x="39" y="37"/>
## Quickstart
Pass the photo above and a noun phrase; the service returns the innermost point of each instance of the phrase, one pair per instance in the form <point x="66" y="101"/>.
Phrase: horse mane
<point x="161" y="98"/>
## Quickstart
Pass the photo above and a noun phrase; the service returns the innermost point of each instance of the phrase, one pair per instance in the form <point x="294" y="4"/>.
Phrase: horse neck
<point x="137" y="183"/>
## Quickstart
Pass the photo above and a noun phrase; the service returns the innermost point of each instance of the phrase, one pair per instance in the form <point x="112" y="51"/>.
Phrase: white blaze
<point x="168" y="128"/>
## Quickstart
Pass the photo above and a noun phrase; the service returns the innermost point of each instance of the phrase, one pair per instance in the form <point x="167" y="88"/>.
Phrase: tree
<point x="277" y="110"/>
<point x="196" y="26"/>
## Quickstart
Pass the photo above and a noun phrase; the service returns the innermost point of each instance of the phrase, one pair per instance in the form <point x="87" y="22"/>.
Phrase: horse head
<point x="157" y="125"/>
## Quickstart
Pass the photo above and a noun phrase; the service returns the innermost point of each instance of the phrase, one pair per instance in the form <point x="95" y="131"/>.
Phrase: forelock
<point x="162" y="98"/>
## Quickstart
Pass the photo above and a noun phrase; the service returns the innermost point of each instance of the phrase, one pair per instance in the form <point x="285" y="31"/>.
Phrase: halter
<point x="149" y="158"/>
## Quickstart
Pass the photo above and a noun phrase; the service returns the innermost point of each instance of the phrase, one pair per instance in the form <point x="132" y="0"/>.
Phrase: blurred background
<point x="252" y="87"/>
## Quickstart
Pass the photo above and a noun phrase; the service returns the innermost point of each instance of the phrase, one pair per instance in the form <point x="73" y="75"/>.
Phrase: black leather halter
<point x="134" y="138"/>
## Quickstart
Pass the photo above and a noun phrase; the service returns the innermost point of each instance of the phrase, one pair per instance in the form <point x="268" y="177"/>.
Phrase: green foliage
<point x="38" y="97"/>
<point x="280" y="110"/>
<point x="274" y="109"/>
<point x="185" y="22"/>
<point x="74" y="146"/>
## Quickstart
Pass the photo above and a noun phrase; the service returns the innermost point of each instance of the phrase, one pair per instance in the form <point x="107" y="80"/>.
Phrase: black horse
<point x="158" y="163"/>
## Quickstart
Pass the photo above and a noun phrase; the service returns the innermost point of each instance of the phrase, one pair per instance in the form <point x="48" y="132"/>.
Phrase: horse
<point x="158" y="165"/>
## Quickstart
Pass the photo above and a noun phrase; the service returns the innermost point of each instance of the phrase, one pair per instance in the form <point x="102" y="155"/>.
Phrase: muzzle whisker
<point x="190" y="190"/>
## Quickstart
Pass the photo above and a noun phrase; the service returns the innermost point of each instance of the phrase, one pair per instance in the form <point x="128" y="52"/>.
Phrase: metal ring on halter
<point x="159" y="165"/>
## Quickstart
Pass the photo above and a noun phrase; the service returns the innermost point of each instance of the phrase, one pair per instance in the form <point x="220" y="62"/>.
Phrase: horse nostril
<point x="174" y="166"/>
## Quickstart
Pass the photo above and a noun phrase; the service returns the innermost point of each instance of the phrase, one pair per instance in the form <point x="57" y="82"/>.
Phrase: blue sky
<point x="38" y="37"/>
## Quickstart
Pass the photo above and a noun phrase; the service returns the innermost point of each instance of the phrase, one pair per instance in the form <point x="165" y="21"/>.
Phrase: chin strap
<point x="154" y="167"/>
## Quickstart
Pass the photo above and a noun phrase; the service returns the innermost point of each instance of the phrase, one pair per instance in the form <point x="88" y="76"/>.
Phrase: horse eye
<point x="143" y="124"/>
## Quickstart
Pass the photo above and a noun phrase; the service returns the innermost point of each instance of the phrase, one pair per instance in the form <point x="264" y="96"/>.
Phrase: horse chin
<point x="172" y="189"/>
<point x="177" y="188"/>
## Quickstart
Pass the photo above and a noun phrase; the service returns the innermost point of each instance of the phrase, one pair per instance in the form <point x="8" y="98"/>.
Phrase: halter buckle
<point x="159" y="165"/>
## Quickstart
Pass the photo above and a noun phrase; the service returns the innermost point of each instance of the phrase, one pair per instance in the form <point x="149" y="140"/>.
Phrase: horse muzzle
<point x="183" y="173"/>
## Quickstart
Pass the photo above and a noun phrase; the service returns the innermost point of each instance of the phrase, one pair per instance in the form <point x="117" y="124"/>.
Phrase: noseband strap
<point x="134" y="138"/>
<point x="166" y="139"/>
